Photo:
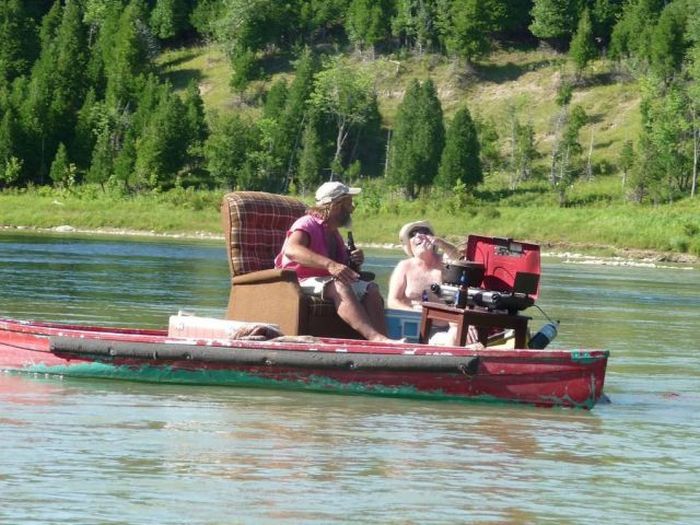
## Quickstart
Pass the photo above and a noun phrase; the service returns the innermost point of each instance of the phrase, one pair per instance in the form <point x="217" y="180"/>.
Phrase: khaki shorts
<point x="317" y="285"/>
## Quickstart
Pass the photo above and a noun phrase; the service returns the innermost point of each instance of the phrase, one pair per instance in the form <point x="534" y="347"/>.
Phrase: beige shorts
<point x="316" y="286"/>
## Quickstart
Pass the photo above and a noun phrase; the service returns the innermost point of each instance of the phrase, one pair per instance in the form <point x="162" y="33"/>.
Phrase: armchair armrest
<point x="273" y="275"/>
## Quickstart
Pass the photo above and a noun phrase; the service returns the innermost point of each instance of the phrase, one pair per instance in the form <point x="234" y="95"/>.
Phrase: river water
<point x="88" y="451"/>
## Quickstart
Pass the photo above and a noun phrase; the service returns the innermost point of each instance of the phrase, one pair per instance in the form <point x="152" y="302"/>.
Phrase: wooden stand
<point x="482" y="321"/>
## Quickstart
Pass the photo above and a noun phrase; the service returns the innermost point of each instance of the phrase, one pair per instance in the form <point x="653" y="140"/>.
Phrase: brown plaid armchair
<point x="255" y="225"/>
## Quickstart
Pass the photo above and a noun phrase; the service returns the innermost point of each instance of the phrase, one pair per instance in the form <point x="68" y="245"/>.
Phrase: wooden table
<point x="481" y="319"/>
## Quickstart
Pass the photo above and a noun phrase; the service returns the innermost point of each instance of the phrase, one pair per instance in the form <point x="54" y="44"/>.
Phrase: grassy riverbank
<point x="613" y="228"/>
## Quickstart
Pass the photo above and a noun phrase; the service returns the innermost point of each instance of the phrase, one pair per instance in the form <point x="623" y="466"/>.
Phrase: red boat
<point x="569" y="378"/>
<point x="321" y="352"/>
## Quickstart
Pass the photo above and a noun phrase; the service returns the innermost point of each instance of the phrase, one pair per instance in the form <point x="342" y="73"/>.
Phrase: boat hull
<point x="570" y="378"/>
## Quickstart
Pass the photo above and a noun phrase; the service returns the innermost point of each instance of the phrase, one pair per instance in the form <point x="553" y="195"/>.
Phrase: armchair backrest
<point x="255" y="224"/>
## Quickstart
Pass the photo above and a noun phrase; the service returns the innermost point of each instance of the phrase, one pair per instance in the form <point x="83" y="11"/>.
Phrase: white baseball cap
<point x="330" y="191"/>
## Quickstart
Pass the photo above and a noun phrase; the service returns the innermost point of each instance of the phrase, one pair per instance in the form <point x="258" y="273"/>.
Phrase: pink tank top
<point x="314" y="227"/>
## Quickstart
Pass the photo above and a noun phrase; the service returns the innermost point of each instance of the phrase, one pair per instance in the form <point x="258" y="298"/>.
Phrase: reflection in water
<point x="87" y="451"/>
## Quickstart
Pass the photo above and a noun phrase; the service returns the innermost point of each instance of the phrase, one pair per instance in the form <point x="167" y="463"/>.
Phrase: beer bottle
<point x="351" y="248"/>
<point x="462" y="295"/>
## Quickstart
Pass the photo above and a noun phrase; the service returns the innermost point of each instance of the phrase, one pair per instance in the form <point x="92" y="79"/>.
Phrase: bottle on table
<point x="462" y="295"/>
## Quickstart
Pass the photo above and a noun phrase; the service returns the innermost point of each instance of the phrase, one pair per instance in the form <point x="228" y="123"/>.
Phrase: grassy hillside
<point x="598" y="217"/>
<point x="524" y="82"/>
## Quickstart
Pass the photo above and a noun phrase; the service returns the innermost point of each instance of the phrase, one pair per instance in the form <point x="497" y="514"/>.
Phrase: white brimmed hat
<point x="330" y="191"/>
<point x="405" y="234"/>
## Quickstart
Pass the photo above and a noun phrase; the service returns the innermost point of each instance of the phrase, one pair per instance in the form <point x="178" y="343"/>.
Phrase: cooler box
<point x="510" y="266"/>
<point x="193" y="327"/>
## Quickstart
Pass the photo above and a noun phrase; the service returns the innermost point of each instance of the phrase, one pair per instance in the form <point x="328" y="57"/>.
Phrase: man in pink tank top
<point x="314" y="249"/>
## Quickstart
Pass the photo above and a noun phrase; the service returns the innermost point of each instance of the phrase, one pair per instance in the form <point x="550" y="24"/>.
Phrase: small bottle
<point x="351" y="248"/>
<point x="544" y="336"/>
<point x="424" y="296"/>
<point x="462" y="295"/>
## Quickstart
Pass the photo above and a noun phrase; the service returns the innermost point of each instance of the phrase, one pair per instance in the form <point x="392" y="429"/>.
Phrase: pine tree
<point x="59" y="167"/>
<point x="417" y="140"/>
<point x="57" y="86"/>
<point x="367" y="22"/>
<point x="402" y="168"/>
<point x="632" y="34"/>
<point x="626" y="160"/>
<point x="101" y="53"/>
<point x="169" y="18"/>
<point x="125" y="160"/>
<point x="582" y="48"/>
<point x="460" y="160"/>
<point x="294" y="117"/>
<point x="129" y="56"/>
<point x="554" y="20"/>
<point x="19" y="43"/>
<point x="668" y="43"/>
<point x="102" y="158"/>
<point x="430" y="133"/>
<point x="227" y="147"/>
<point x="8" y="137"/>
<point x="275" y="100"/>
<point x="312" y="160"/>
<point x="467" y="32"/>
<point x="162" y="151"/>
<point x="196" y="126"/>
<point x="69" y="81"/>
<point x="84" y="137"/>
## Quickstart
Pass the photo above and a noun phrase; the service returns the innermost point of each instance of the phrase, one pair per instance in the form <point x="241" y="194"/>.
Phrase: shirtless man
<point x="412" y="277"/>
<point x="410" y="281"/>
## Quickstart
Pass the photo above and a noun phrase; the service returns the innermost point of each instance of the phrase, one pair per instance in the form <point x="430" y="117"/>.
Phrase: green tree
<point x="523" y="151"/>
<point x="312" y="159"/>
<point x="276" y="100"/>
<point x="162" y="151"/>
<point x="345" y="95"/>
<point x="294" y="118"/>
<point x="416" y="24"/>
<point x="567" y="157"/>
<point x="554" y="20"/>
<point x="668" y="41"/>
<point x="488" y="144"/>
<point x="666" y="143"/>
<point x="417" y="140"/>
<point x="632" y="34"/>
<point x="466" y="26"/>
<point x="124" y="163"/>
<point x="60" y="171"/>
<point x="196" y="128"/>
<point x="57" y="87"/>
<point x="460" y="160"/>
<point x="105" y="26"/>
<point x="227" y="148"/>
<point x="101" y="166"/>
<point x="84" y="138"/>
<point x="604" y="15"/>
<point x="245" y="69"/>
<point x="9" y="134"/>
<point x="583" y="48"/>
<point x="129" y="57"/>
<point x="626" y="160"/>
<point x="19" y="43"/>
<point x="169" y="18"/>
<point x="368" y="22"/>
<point x="205" y="16"/>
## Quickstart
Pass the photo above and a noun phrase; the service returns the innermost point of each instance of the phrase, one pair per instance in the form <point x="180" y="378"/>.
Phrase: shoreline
<point x="570" y="253"/>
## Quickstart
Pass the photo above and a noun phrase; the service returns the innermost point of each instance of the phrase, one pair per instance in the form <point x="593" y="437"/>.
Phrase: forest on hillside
<point x="83" y="99"/>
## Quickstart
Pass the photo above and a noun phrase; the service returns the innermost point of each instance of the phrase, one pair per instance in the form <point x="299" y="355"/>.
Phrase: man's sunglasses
<point x="423" y="230"/>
